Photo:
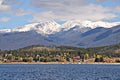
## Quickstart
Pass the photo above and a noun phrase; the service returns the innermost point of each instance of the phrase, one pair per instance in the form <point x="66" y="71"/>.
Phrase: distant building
<point x="76" y="58"/>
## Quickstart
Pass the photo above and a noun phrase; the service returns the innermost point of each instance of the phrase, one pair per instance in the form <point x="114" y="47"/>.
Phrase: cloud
<point x="11" y="2"/>
<point x="117" y="9"/>
<point x="4" y="7"/>
<point x="72" y="9"/>
<point x="62" y="10"/>
<point x="101" y="0"/>
<point x="42" y="16"/>
<point x="7" y="6"/>
<point x="4" y="19"/>
<point x="20" y="12"/>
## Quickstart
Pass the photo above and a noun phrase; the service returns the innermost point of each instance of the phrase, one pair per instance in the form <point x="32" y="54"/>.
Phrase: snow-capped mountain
<point x="71" y="33"/>
<point x="48" y="27"/>
<point x="51" y="27"/>
<point x="72" y="23"/>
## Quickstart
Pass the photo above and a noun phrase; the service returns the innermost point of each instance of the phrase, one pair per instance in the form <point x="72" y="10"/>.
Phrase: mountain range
<point x="72" y="33"/>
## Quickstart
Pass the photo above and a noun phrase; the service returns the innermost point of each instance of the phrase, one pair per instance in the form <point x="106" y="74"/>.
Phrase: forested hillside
<point x="39" y="53"/>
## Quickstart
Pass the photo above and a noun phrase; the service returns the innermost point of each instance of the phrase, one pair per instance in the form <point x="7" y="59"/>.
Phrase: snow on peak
<point x="48" y="27"/>
<point x="103" y="24"/>
<point x="51" y="27"/>
<point x="72" y="23"/>
<point x="5" y="30"/>
<point x="25" y="28"/>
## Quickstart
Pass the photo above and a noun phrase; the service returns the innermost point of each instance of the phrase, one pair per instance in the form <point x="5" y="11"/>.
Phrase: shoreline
<point x="52" y="63"/>
<point x="34" y="63"/>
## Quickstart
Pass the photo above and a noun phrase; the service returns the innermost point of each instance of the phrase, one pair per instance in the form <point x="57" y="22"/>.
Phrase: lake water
<point x="59" y="72"/>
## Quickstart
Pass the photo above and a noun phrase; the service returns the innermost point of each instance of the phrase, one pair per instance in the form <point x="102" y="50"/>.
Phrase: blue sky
<point x="15" y="13"/>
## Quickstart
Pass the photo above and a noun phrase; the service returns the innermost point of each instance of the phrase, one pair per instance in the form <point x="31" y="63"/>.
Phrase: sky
<point x="15" y="13"/>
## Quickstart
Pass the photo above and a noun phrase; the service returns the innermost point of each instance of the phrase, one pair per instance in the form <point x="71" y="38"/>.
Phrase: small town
<point x="49" y="55"/>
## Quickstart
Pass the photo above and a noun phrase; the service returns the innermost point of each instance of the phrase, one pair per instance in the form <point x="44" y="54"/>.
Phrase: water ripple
<point x="59" y="72"/>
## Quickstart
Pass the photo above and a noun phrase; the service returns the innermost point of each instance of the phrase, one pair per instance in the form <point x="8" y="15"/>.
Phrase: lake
<point x="59" y="72"/>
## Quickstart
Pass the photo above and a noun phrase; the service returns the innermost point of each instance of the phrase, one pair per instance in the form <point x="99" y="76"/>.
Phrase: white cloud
<point x="20" y="12"/>
<point x="63" y="10"/>
<point x="72" y="9"/>
<point x="4" y="19"/>
<point x="4" y="7"/>
<point x="11" y="2"/>
<point x="43" y="16"/>
<point x="117" y="9"/>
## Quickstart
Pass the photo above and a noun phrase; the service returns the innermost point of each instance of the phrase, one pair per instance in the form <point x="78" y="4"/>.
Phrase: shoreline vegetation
<point x="61" y="55"/>
<point x="53" y="63"/>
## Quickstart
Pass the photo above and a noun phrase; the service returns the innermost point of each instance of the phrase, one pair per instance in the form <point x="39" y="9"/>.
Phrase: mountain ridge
<point x="73" y="34"/>
<point x="52" y="27"/>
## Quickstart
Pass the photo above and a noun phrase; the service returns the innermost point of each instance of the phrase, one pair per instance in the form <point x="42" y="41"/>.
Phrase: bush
<point x="118" y="61"/>
<point x="26" y="60"/>
<point x="97" y="60"/>
<point x="101" y="59"/>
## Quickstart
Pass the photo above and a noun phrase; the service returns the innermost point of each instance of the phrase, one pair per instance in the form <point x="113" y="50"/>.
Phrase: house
<point x="57" y="58"/>
<point x="30" y="59"/>
<point x="76" y="58"/>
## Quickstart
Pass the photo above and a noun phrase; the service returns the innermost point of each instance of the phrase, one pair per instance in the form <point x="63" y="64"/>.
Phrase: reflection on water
<point x="60" y="72"/>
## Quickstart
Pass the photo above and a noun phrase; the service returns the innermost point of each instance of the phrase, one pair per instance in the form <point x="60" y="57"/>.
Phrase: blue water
<point x="59" y="72"/>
